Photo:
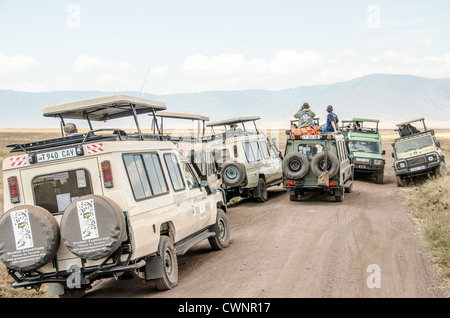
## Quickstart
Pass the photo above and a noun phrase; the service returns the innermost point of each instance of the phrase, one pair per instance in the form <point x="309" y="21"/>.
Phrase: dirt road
<point x="365" y="247"/>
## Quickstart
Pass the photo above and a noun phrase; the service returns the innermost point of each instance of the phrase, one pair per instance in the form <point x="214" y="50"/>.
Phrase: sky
<point x="182" y="46"/>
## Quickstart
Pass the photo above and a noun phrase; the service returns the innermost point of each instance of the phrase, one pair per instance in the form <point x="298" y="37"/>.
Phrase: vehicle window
<point x="364" y="146"/>
<point x="145" y="175"/>
<point x="56" y="191"/>
<point x="174" y="171"/>
<point x="415" y="143"/>
<point x="252" y="152"/>
<point x="310" y="150"/>
<point x="191" y="180"/>
<point x="264" y="149"/>
<point x="155" y="173"/>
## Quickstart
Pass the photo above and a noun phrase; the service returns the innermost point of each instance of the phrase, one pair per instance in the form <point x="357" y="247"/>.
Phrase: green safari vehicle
<point x="317" y="163"/>
<point x="365" y="148"/>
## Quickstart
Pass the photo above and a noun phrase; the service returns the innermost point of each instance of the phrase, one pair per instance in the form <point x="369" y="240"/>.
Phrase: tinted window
<point x="56" y="191"/>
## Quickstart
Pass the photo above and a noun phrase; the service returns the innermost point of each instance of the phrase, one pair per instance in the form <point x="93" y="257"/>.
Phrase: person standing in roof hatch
<point x="305" y="116"/>
<point x="332" y="120"/>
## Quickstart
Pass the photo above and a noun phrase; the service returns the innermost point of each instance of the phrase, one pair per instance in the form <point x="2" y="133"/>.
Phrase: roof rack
<point x="103" y="109"/>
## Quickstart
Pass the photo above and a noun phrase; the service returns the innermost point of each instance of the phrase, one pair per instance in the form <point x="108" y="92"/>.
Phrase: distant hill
<point x="390" y="98"/>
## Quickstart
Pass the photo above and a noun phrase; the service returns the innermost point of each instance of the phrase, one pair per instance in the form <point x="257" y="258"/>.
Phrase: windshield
<point x="416" y="143"/>
<point x="364" y="146"/>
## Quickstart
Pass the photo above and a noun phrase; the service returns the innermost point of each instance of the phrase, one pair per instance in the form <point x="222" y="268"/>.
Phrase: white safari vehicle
<point x="249" y="161"/>
<point x="103" y="203"/>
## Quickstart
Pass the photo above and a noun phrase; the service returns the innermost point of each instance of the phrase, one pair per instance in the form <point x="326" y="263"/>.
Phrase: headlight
<point x="432" y="157"/>
<point x="362" y="160"/>
<point x="378" y="162"/>
<point x="401" y="165"/>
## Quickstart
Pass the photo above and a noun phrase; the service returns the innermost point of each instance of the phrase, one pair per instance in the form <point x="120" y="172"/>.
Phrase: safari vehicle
<point x="417" y="153"/>
<point x="248" y="161"/>
<point x="192" y="143"/>
<point x="317" y="163"/>
<point x="365" y="148"/>
<point x="103" y="204"/>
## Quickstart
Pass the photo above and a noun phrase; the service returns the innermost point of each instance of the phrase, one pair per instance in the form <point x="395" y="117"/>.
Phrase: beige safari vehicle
<point x="249" y="162"/>
<point x="104" y="204"/>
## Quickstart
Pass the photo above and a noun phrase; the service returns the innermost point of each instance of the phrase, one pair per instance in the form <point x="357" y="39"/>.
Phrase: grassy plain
<point x="428" y="202"/>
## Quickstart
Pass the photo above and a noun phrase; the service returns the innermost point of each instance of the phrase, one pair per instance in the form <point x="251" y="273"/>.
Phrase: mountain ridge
<point x="391" y="98"/>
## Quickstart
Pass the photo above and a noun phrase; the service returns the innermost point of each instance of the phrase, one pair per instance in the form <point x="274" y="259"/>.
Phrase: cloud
<point x="17" y="64"/>
<point x="289" y="68"/>
<point x="85" y="64"/>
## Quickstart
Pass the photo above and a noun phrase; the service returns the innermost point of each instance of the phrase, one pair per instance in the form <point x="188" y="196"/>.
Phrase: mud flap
<point x="154" y="268"/>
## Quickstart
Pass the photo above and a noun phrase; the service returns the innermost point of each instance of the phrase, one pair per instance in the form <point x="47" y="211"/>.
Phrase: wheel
<point x="169" y="263"/>
<point x="441" y="171"/>
<point x="400" y="181"/>
<point x="222" y="238"/>
<point x="319" y="164"/>
<point x="261" y="191"/>
<point x="233" y="174"/>
<point x="349" y="189"/>
<point x="295" y="165"/>
<point x="293" y="197"/>
<point x="29" y="237"/>
<point x="379" y="177"/>
<point x="340" y="198"/>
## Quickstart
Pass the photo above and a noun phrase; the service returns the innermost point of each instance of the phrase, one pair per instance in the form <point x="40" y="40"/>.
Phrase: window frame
<point x="146" y="174"/>
<point x="170" y="154"/>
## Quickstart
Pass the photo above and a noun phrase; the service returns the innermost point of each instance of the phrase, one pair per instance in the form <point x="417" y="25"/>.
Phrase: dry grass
<point x="428" y="202"/>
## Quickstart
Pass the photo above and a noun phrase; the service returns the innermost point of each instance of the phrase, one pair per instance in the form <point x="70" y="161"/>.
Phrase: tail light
<point x="107" y="174"/>
<point x="332" y="183"/>
<point x="14" y="194"/>
<point x="235" y="151"/>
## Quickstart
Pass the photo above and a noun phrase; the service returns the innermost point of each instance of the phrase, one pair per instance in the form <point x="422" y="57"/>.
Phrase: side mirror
<point x="383" y="152"/>
<point x="392" y="155"/>
<point x="205" y="184"/>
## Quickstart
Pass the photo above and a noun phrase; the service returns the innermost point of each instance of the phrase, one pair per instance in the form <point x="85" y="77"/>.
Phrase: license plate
<point x="417" y="168"/>
<point x="362" y="166"/>
<point x="56" y="155"/>
<point x="311" y="136"/>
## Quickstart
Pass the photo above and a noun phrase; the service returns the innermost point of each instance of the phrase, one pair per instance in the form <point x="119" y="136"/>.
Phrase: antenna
<point x="142" y="87"/>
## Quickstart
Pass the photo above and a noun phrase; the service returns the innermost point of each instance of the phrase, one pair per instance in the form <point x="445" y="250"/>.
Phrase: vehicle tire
<point x="233" y="174"/>
<point x="169" y="263"/>
<point x="319" y="165"/>
<point x="442" y="171"/>
<point x="93" y="227"/>
<point x="379" y="177"/>
<point x="340" y="198"/>
<point x="349" y="189"/>
<point x="261" y="194"/>
<point x="29" y="238"/>
<point x="400" y="181"/>
<point x="295" y="165"/>
<point x="222" y="238"/>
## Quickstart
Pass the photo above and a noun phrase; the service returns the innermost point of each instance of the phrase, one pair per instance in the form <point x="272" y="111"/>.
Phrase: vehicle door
<point x="272" y="162"/>
<point x="185" y="219"/>
<point x="201" y="204"/>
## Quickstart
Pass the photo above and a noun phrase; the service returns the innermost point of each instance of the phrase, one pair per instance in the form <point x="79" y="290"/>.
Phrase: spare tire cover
<point x="93" y="227"/>
<point x="29" y="237"/>
<point x="318" y="164"/>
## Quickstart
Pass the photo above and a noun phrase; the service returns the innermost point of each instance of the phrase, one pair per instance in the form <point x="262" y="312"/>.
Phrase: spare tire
<point x="295" y="165"/>
<point x="233" y="174"/>
<point x="93" y="227"/>
<point x="319" y="164"/>
<point x="29" y="238"/>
